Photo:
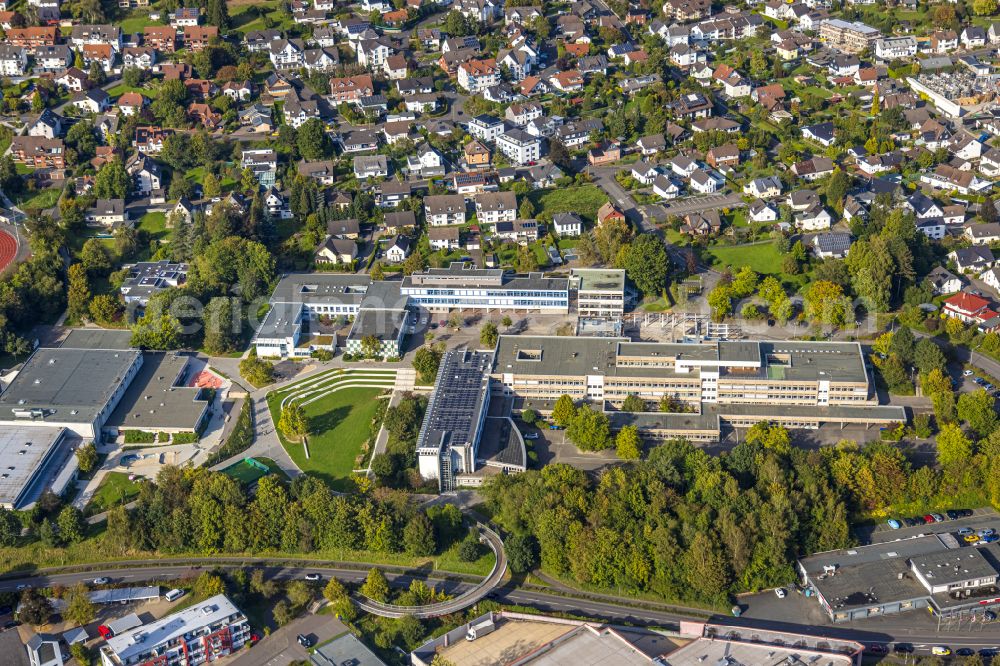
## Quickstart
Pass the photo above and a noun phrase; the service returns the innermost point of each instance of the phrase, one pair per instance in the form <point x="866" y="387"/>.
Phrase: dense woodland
<point x="686" y="525"/>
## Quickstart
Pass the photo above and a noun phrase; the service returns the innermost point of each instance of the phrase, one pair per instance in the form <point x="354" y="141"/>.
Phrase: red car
<point x="928" y="519"/>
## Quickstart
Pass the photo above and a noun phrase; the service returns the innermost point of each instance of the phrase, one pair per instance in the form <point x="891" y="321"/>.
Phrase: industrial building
<point x="198" y="634"/>
<point x="933" y="571"/>
<point x="31" y="460"/>
<point x="300" y="299"/>
<point x="460" y="443"/>
<point x="737" y="383"/>
<point x="518" y="638"/>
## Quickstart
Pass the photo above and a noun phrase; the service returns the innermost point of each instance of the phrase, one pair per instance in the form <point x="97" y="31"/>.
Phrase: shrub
<point x="140" y="437"/>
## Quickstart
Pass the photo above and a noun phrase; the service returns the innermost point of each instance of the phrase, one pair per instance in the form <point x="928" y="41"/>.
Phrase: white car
<point x="941" y="650"/>
<point x="780" y="592"/>
<point x="967" y="373"/>
<point x="102" y="581"/>
<point x="312" y="577"/>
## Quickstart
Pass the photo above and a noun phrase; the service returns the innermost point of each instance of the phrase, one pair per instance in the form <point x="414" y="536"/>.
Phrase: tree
<point x="209" y="584"/>
<point x="527" y="210"/>
<point x="902" y="344"/>
<point x="370" y="346"/>
<point x="984" y="7"/>
<point x="628" y="445"/>
<point x="507" y="322"/>
<point x="377" y="272"/>
<point x="217" y="14"/>
<point x="470" y="549"/>
<point x="282" y="613"/>
<point x="312" y="141"/>
<point x="293" y="422"/>
<point x="96" y="74"/>
<point x="160" y="333"/>
<point x="633" y="403"/>
<point x="78" y="292"/>
<point x="95" y="257"/>
<point x="590" y="429"/>
<point x="10" y="527"/>
<point x="71" y="525"/>
<point x="825" y="304"/>
<point x="257" y="371"/>
<point x="113" y="181"/>
<point x="646" y="262"/>
<point x="529" y="416"/>
<point x="927" y="356"/>
<point x="300" y="593"/>
<point x="210" y="186"/>
<point x="221" y="326"/>
<point x="489" y="335"/>
<point x="954" y="448"/>
<point x="522" y="552"/>
<point x="79" y="608"/>
<point x="426" y="361"/>
<point x="34" y="608"/>
<point x="418" y="536"/>
<point x="340" y="600"/>
<point x="81" y="653"/>
<point x="564" y="411"/>
<point x="376" y="587"/>
<point x="771" y="437"/>
<point x="988" y="208"/>
<point x="105" y="309"/>
<point x="978" y="409"/>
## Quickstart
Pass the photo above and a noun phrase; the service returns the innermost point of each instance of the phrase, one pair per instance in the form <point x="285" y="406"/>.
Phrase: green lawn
<point x="40" y="200"/>
<point x="341" y="424"/>
<point x="762" y="257"/>
<point x="582" y="199"/>
<point x="115" y="488"/>
<point x="136" y="23"/>
<point x="154" y="224"/>
<point x="121" y="89"/>
<point x="246" y="473"/>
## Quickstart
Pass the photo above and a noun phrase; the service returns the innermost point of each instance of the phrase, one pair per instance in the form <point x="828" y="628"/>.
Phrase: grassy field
<point x="582" y="199"/>
<point x="154" y="224"/>
<point x="40" y="200"/>
<point x="341" y="424"/>
<point x="136" y="23"/>
<point x="246" y="473"/>
<point x="762" y="257"/>
<point x="115" y="488"/>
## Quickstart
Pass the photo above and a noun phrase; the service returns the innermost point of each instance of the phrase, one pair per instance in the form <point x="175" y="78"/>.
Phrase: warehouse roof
<point x="23" y="454"/>
<point x="70" y="385"/>
<point x="158" y="397"/>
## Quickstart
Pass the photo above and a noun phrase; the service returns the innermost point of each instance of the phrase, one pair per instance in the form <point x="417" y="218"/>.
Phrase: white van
<point x="173" y="594"/>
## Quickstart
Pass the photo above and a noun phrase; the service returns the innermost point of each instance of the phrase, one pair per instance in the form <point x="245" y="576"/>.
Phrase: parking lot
<point x="983" y="518"/>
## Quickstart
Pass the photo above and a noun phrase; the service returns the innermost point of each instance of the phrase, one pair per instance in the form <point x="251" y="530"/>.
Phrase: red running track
<point x="8" y="249"/>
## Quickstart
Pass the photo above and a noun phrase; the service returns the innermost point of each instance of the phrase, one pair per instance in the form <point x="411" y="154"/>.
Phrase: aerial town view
<point x="499" y="332"/>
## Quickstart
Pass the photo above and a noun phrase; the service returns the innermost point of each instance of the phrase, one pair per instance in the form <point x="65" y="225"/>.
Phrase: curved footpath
<point x="461" y="602"/>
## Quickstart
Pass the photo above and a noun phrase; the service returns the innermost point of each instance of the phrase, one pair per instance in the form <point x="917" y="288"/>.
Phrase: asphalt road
<point x="913" y="628"/>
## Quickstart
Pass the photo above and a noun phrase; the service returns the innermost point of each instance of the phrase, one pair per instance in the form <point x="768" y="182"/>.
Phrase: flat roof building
<point x="158" y="399"/>
<point x="462" y="287"/>
<point x="797" y="384"/>
<point x="600" y="292"/>
<point x="450" y="433"/>
<point x="932" y="571"/>
<point x="30" y="459"/>
<point x="204" y="632"/>
<point x="76" y="389"/>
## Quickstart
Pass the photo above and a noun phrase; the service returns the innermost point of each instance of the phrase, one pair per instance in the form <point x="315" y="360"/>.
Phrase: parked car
<point x="893" y="523"/>
<point x="938" y="518"/>
<point x="780" y="592"/>
<point x="967" y="373"/>
<point x="986" y="531"/>
<point x="965" y="513"/>
<point x="902" y="648"/>
<point x="304" y="640"/>
<point x="989" y="616"/>
<point x="952" y="514"/>
<point x="876" y="649"/>
<point x="989" y="538"/>
<point x="928" y="519"/>
<point x="313" y="577"/>
<point x="965" y="531"/>
<point x="912" y="522"/>
<point x="971" y="538"/>
<point x="941" y="650"/>
<point x="531" y="435"/>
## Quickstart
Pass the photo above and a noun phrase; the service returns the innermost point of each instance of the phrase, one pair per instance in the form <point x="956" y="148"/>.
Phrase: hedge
<point x="140" y="437"/>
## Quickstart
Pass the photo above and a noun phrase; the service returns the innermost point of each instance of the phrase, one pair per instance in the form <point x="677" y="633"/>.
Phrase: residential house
<point x="107" y="213"/>
<point x="971" y="309"/>
<point x="974" y="259"/>
<point x="943" y="281"/>
<point x="983" y="234"/>
<point x="762" y="211"/>
<point x="444" y="209"/>
<point x="567" y="224"/>
<point x="336" y="251"/>
<point x="493" y="207"/>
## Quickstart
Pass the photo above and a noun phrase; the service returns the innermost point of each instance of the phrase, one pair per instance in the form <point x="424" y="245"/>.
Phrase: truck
<point x="480" y="629"/>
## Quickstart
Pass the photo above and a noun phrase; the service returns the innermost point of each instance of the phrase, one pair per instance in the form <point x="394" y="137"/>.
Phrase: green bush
<point x="140" y="437"/>
<point x="185" y="437"/>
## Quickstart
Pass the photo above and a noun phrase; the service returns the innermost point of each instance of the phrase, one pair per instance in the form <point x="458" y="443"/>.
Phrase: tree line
<point x="688" y="526"/>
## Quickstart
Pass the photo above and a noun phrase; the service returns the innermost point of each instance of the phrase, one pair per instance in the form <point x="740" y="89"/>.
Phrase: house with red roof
<point x="972" y="309"/>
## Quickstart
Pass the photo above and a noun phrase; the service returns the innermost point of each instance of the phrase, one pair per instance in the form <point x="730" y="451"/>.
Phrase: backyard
<point x="582" y="199"/>
<point x="761" y="257"/>
<point x="340" y="424"/>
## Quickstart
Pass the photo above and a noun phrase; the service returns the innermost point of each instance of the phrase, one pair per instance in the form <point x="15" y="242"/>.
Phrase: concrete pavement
<point x="282" y="646"/>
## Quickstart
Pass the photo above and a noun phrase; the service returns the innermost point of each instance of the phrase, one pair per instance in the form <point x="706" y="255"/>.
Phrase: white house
<point x="815" y="218"/>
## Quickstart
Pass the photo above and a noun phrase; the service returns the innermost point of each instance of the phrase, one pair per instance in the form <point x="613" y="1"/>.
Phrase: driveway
<point x="281" y="647"/>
